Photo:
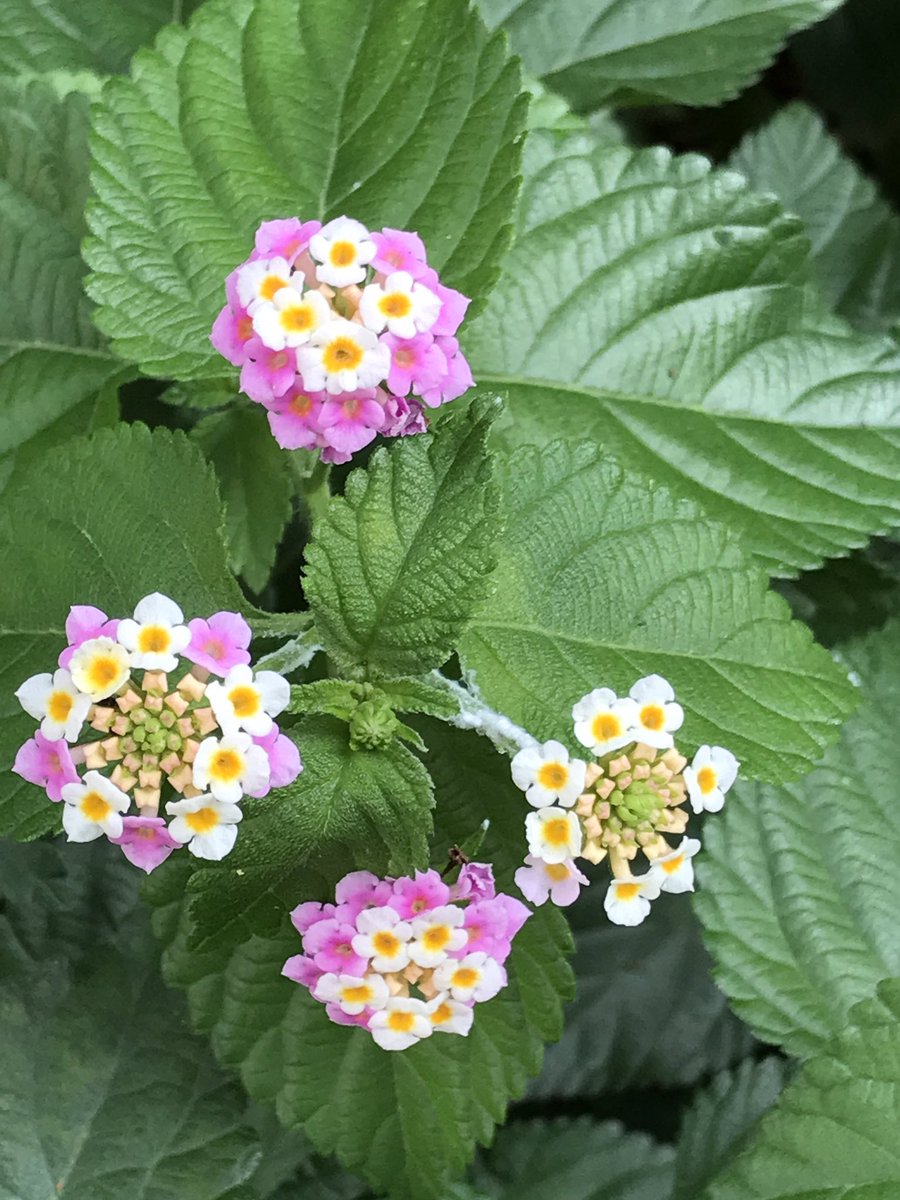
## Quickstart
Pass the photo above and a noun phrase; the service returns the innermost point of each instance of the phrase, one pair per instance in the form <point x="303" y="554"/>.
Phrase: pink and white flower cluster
<point x="131" y="717"/>
<point x="341" y="334"/>
<point x="405" y="958"/>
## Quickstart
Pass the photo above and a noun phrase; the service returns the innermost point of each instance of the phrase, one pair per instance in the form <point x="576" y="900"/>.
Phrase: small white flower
<point x="475" y="977"/>
<point x="55" y="701"/>
<point x="343" y="249"/>
<point x="292" y="317"/>
<point x="261" y="280"/>
<point x="99" y="667"/>
<point x="674" y="872"/>
<point x="230" y="766"/>
<point x="343" y="357"/>
<point x="205" y="825"/>
<point x="156" y="635"/>
<point x="627" y="901"/>
<point x="383" y="937"/>
<point x="351" y="993"/>
<point x="450" y="1016"/>
<point x="658" y="716"/>
<point x="603" y="722"/>
<point x="539" y="881"/>
<point x="247" y="701"/>
<point x="93" y="806"/>
<point x="402" y="305"/>
<point x="400" y="1024"/>
<point x="547" y="776"/>
<point x="554" y="834"/>
<point x="437" y="935"/>
<point x="709" y="777"/>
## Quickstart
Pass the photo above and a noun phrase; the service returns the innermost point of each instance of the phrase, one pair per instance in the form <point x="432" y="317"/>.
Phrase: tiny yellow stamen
<point x="343" y="354"/>
<point x="244" y="701"/>
<point x="59" y="706"/>
<point x="436" y="937"/>
<point x="153" y="639"/>
<point x="556" y="831"/>
<point x="707" y="779"/>
<point x="361" y="994"/>
<point x="95" y="807"/>
<point x="400" y="1022"/>
<point x="226" y="765"/>
<point x="395" y="304"/>
<point x="552" y="776"/>
<point x="465" y="977"/>
<point x="627" y="891"/>
<point x="342" y="254"/>
<point x="203" y="820"/>
<point x="386" y="944"/>
<point x="605" y="726"/>
<point x="653" y="717"/>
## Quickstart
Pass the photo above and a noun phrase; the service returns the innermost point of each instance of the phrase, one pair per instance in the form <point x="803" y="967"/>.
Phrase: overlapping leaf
<point x="656" y="306"/>
<point x="796" y="883"/>
<point x="396" y="113"/>
<point x="603" y="578"/>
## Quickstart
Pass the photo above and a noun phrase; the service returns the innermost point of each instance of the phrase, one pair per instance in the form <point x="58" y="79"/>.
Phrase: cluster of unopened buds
<point x="405" y="958"/>
<point x="627" y="802"/>
<point x="341" y="334"/>
<point x="131" y="719"/>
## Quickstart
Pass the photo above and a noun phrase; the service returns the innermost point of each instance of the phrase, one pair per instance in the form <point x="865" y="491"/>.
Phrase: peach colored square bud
<point x="191" y="687"/>
<point x="176" y="703"/>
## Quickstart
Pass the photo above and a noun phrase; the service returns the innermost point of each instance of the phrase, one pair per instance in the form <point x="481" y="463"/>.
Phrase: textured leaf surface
<point x="406" y="1121"/>
<point x="690" y="52"/>
<point x="401" y="559"/>
<point x="53" y="363"/>
<point x="116" y="516"/>
<point x="855" y="233"/>
<point x="603" y="578"/>
<point x="796" y="885"/>
<point x="275" y="108"/>
<point x="656" y="306"/>
<point x="833" y="1135"/>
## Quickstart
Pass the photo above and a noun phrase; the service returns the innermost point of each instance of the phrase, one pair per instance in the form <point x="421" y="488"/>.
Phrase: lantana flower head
<point x="629" y="801"/>
<point x="342" y="334"/>
<point x="405" y="958"/>
<point x="138" y="744"/>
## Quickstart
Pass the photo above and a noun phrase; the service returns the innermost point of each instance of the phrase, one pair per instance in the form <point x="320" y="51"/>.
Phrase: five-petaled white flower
<point x="352" y="993"/>
<point x="401" y="305"/>
<point x="230" y="766"/>
<point x="247" y="701"/>
<point x="476" y="977"/>
<point x="156" y="635"/>
<point x="343" y="357"/>
<point x="56" y="702"/>
<point x="99" y="667"/>
<point x="206" y="825"/>
<point x="658" y="715"/>
<point x="437" y="936"/>
<point x="93" y="806"/>
<point x="383" y="937"/>
<point x="709" y="777"/>
<point x="554" y="834"/>
<point x="450" y="1016"/>
<point x="547" y="776"/>
<point x="260" y="281"/>
<point x="674" y="871"/>
<point x="400" y="1024"/>
<point x="627" y="901"/>
<point x="292" y="317"/>
<point x="603" y="722"/>
<point x="343" y="249"/>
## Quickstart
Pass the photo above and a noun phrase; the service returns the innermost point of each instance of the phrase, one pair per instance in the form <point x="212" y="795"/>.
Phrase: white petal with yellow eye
<point x="400" y="1024"/>
<point x="674" y="872"/>
<point x="627" y="901"/>
<point x="554" y="834"/>
<point x="547" y="775"/>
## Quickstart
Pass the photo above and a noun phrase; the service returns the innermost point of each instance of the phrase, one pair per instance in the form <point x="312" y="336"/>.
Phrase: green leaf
<point x="402" y="557"/>
<point x="255" y="487"/>
<point x="834" y="1132"/>
<point x="690" y="52"/>
<point x="795" y="882"/>
<point x="855" y="233"/>
<point x="113" y="517"/>
<point x="720" y="1122"/>
<point x="603" y="579"/>
<point x="53" y="363"/>
<point x="275" y="108"/>
<point x="657" y="306"/>
<point x="419" y="696"/>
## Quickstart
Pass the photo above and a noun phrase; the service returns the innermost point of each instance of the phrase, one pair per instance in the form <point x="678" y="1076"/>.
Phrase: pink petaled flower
<point x="285" y="763"/>
<point x="220" y="643"/>
<point x="83" y="623"/>
<point x="233" y="327"/>
<point x="402" y="417"/>
<point x="294" y="419"/>
<point x="397" y="250"/>
<point x="475" y="882"/>
<point x="414" y="896"/>
<point x="359" y="890"/>
<point x="145" y="842"/>
<point x="330" y="945"/>
<point x="350" y="421"/>
<point x="417" y="364"/>
<point x="267" y="374"/>
<point x="286" y="238"/>
<point x="305" y="915"/>
<point x="492" y="925"/>
<point x="453" y="305"/>
<point x="302" y="970"/>
<point x="457" y="377"/>
<point x="560" y="882"/>
<point x="48" y="764"/>
<point x="339" y="1017"/>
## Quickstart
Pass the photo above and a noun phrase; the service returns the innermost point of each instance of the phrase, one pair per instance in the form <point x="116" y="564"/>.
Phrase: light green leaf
<point x="720" y="1121"/>
<point x="689" y="52"/>
<point x="255" y="487"/>
<point x="419" y="696"/>
<point x="403" y="556"/>
<point x="833" y="1135"/>
<point x="855" y="233"/>
<point x="275" y="108"/>
<point x="796" y="881"/>
<point x="108" y="520"/>
<point x="603" y="578"/>
<point x="53" y="363"/>
<point x="657" y="306"/>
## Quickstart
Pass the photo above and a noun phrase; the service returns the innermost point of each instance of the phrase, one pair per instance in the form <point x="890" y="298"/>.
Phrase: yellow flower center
<point x="342" y="254"/>
<point x="605" y="726"/>
<point x="653" y="717"/>
<point x="360" y="994"/>
<point x="244" y="701"/>
<point x="707" y="779"/>
<point x="396" y="304"/>
<point x="386" y="944"/>
<point x="226" y="765"/>
<point x="464" y="977"/>
<point x="556" y="831"/>
<point x="94" y="807"/>
<point x="343" y="354"/>
<point x="270" y="285"/>
<point x="557" y="871"/>
<point x="203" y="820"/>
<point x="552" y="776"/>
<point x="442" y="1014"/>
<point x="59" y="706"/>
<point x="436" y="937"/>
<point x="101" y="671"/>
<point x="672" y="864"/>
<point x="400" y="1022"/>
<point x="153" y="639"/>
<point x="627" y="891"/>
<point x="298" y="318"/>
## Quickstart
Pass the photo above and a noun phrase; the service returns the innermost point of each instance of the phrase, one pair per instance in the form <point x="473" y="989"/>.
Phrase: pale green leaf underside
<point x="833" y="1135"/>
<point x="669" y="51"/>
<point x="798" y="891"/>
<point x="603" y="578"/>
<point x="855" y="233"/>
<point x="656" y="306"/>
<point x="393" y="112"/>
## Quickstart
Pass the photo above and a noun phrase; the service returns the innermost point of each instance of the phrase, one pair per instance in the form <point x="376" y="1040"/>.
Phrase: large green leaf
<point x="113" y="517"/>
<point x="833" y="1135"/>
<point x="797" y="892"/>
<point x="604" y="578"/>
<point x="855" y="233"/>
<point x="53" y="363"/>
<point x="658" y="307"/>
<point x="395" y="112"/>
<point x="689" y="52"/>
<point x="401" y="558"/>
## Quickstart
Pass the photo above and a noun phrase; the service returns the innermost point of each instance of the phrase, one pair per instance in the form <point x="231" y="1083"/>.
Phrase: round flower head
<point x="709" y="777"/>
<point x="450" y="1016"/>
<point x="230" y="766"/>
<point x="400" y="1024"/>
<point x="547" y="776"/>
<point x="658" y="716"/>
<point x="100" y="667"/>
<point x="603" y="722"/>
<point x="343" y="357"/>
<point x="539" y="881"/>
<point x="261" y="280"/>
<point x="342" y="249"/>
<point x="399" y="305"/>
<point x="94" y="806"/>
<point x="383" y="937"/>
<point x="292" y="316"/>
<point x="674" y="872"/>
<point x="554" y="834"/>
<point x="205" y="825"/>
<point x="156" y="634"/>
<point x="475" y="977"/>
<point x="56" y="702"/>
<point x="627" y="901"/>
<point x="247" y="701"/>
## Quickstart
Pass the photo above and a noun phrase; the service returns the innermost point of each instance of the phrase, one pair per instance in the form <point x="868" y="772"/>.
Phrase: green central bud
<point x="372" y="725"/>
